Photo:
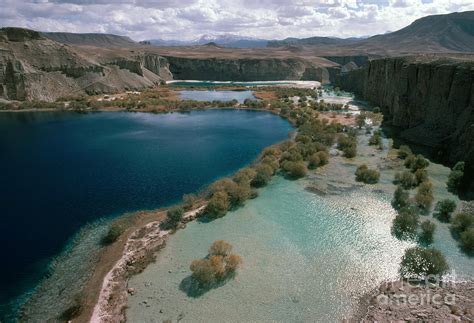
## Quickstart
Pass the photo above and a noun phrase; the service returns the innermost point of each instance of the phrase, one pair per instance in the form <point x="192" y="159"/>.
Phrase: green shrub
<point x="404" y="151"/>
<point x="467" y="239"/>
<point x="263" y="176"/>
<point x="455" y="177"/>
<point x="401" y="198"/>
<point x="271" y="151"/>
<point x="405" y="224"/>
<point x="303" y="139"/>
<point x="295" y="169"/>
<point x="218" y="205"/>
<point x="376" y="139"/>
<point x="406" y="180"/>
<point x="366" y="175"/>
<point x="421" y="175"/>
<point x="189" y="200"/>
<point x="175" y="215"/>
<point x="313" y="162"/>
<point x="462" y="222"/>
<point x="260" y="180"/>
<point x="348" y="145"/>
<point x="444" y="209"/>
<point x="462" y="225"/>
<point x="416" y="162"/>
<point x="427" y="230"/>
<point x="220" y="248"/>
<point x="245" y="175"/>
<point x="323" y="157"/>
<point x="219" y="265"/>
<point x="293" y="154"/>
<point x="272" y="162"/>
<point x="424" y="195"/>
<point x="361" y="120"/>
<point x="115" y="231"/>
<point x="421" y="262"/>
<point x="238" y="193"/>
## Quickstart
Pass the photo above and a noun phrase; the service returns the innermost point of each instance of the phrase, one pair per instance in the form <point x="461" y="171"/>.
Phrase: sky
<point x="189" y="19"/>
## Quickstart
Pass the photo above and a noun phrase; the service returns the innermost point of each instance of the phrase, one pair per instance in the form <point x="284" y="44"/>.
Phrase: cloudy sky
<point x="189" y="19"/>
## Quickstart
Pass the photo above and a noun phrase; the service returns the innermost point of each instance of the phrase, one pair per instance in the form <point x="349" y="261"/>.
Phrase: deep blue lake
<point x="62" y="170"/>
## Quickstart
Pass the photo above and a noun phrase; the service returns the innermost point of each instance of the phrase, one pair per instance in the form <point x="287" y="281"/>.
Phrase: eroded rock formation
<point x="430" y="97"/>
<point x="33" y="67"/>
<point x="246" y="69"/>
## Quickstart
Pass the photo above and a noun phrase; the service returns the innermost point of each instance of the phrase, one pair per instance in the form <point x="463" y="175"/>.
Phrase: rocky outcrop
<point x="11" y="79"/>
<point x="134" y="66"/>
<point x="18" y="34"/>
<point x="402" y="301"/>
<point x="33" y="67"/>
<point x="90" y="39"/>
<point x="431" y="98"/>
<point x="158" y="65"/>
<point x="246" y="69"/>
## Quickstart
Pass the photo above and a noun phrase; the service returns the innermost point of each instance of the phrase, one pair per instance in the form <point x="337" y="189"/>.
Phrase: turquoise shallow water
<point x="240" y="96"/>
<point x="213" y="83"/>
<point x="306" y="257"/>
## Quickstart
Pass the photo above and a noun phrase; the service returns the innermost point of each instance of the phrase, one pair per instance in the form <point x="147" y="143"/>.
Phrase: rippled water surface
<point x="306" y="257"/>
<point x="221" y="95"/>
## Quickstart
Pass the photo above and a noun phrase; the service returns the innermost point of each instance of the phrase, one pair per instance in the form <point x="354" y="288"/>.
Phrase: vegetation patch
<point x="456" y="177"/>
<point x="462" y="225"/>
<point x="427" y="231"/>
<point x="420" y="263"/>
<point x="405" y="224"/>
<point x="115" y="231"/>
<point x="212" y="271"/>
<point x="424" y="195"/>
<point x="444" y="209"/>
<point x="366" y="175"/>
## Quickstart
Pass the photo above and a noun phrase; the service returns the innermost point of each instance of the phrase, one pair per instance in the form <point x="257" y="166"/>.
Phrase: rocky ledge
<point x="401" y="301"/>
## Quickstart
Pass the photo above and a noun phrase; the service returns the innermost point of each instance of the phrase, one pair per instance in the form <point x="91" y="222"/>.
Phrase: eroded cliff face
<point x="430" y="98"/>
<point x="35" y="68"/>
<point x="11" y="78"/>
<point x="246" y="69"/>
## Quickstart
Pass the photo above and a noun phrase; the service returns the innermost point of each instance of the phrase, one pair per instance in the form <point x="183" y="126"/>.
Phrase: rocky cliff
<point x="246" y="69"/>
<point x="429" y="97"/>
<point x="33" y="67"/>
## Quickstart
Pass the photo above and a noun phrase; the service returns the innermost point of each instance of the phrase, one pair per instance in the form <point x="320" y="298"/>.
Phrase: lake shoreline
<point x="106" y="259"/>
<point x="137" y="245"/>
<point x="107" y="289"/>
<point x="108" y="285"/>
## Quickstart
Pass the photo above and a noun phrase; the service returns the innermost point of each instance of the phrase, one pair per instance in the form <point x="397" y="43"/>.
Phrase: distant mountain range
<point x="228" y="40"/>
<point x="312" y="41"/>
<point x="439" y="33"/>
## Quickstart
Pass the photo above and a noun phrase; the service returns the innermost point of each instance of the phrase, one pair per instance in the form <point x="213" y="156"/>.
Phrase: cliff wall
<point x="431" y="98"/>
<point x="36" y="68"/>
<point x="246" y="69"/>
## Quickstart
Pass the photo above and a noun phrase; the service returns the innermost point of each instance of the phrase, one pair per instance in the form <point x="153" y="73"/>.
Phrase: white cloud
<point x="188" y="19"/>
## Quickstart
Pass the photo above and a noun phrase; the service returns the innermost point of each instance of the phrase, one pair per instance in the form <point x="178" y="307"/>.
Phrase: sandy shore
<point x="105" y="295"/>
